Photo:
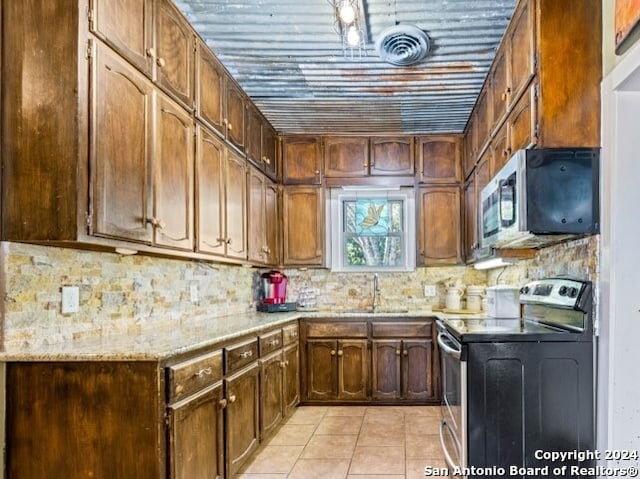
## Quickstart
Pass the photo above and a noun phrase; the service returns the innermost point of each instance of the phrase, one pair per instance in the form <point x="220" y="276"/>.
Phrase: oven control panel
<point x="557" y="292"/>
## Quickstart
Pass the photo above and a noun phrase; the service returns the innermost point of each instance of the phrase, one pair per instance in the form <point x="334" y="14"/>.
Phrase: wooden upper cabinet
<point x="210" y="199"/>
<point x="262" y="218"/>
<point x="127" y="27"/>
<point x="501" y="147"/>
<point x="470" y="219"/>
<point x="301" y="160"/>
<point x="391" y="156"/>
<point x="521" y="45"/>
<point x="210" y="89"/>
<point x="175" y="45"/>
<point x="346" y="157"/>
<point x="483" y="117"/>
<point x="303" y="225"/>
<point x="121" y="149"/>
<point x="440" y="232"/>
<point x="173" y="176"/>
<point x="272" y="229"/>
<point x="439" y="159"/>
<point x="236" y="206"/>
<point x="269" y="150"/>
<point x="470" y="146"/>
<point x="500" y="89"/>
<point x="253" y="134"/>
<point x="522" y="122"/>
<point x="235" y="115"/>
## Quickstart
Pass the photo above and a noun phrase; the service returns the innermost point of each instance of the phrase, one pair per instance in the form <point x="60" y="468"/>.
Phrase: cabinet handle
<point x="505" y="93"/>
<point x="274" y="342"/>
<point x="232" y="398"/>
<point x="222" y="403"/>
<point x="156" y="223"/>
<point x="161" y="62"/>
<point x="340" y="353"/>
<point x="506" y="153"/>
<point x="203" y="372"/>
<point x="267" y="160"/>
<point x="397" y="352"/>
<point x="282" y="364"/>
<point x="228" y="241"/>
<point x="317" y="172"/>
<point x="225" y="122"/>
<point x="230" y="126"/>
<point x="333" y="352"/>
<point x="365" y="165"/>
<point x="221" y="240"/>
<point x="246" y="354"/>
<point x="405" y="353"/>
<point x="151" y="52"/>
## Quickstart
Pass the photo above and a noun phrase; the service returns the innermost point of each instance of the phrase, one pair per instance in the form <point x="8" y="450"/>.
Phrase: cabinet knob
<point x="156" y="223"/>
<point x="232" y="398"/>
<point x="333" y="352"/>
<point x="221" y="240"/>
<point x="246" y="354"/>
<point x="228" y="241"/>
<point x="222" y="403"/>
<point x="340" y="353"/>
<point x="505" y="93"/>
<point x="230" y="126"/>
<point x="365" y="165"/>
<point x="317" y="172"/>
<point x="274" y="342"/>
<point x="397" y="352"/>
<point x="405" y="353"/>
<point x="151" y="52"/>
<point x="161" y="62"/>
<point x="225" y="122"/>
<point x="282" y="364"/>
<point x="267" y="160"/>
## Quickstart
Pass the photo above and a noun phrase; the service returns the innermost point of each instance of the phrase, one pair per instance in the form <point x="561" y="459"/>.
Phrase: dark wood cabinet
<point x="440" y="159"/>
<point x="386" y="358"/>
<point x="196" y="447"/>
<point x="269" y="150"/>
<point x="322" y="372"/>
<point x="262" y="219"/>
<point x="236" y="206"/>
<point x="175" y="45"/>
<point x="417" y="369"/>
<point x="392" y="156"/>
<point x="173" y="214"/>
<point x="271" y="392"/>
<point x="522" y="122"/>
<point x="501" y="147"/>
<point x="120" y="153"/>
<point x="127" y="27"/>
<point x="253" y="134"/>
<point x="303" y="225"/>
<point x="235" y="102"/>
<point x="301" y="160"/>
<point x="272" y="223"/>
<point x="346" y="156"/>
<point x="242" y="431"/>
<point x="291" y="381"/>
<point x="353" y="369"/>
<point x="210" y="89"/>
<point x="439" y="229"/>
<point x="500" y="89"/>
<point x="520" y="49"/>
<point x="471" y="208"/>
<point x="469" y="142"/>
<point x="483" y="117"/>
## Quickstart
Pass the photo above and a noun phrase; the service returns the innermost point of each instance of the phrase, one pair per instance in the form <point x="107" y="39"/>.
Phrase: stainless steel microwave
<point x="541" y="196"/>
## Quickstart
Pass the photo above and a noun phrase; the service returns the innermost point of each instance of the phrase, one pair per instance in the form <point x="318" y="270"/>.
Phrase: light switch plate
<point x="70" y="299"/>
<point x="429" y="290"/>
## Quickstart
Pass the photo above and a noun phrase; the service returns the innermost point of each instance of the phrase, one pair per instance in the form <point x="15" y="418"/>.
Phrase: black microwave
<point x="541" y="196"/>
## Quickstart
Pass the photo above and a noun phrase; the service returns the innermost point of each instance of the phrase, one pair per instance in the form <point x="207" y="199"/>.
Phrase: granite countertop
<point x="174" y="339"/>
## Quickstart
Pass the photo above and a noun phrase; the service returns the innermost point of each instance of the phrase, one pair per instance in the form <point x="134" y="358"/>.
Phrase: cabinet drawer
<point x="290" y="334"/>
<point x="335" y="329"/>
<point x="190" y="376"/>
<point x="239" y="355"/>
<point x="401" y="330"/>
<point x="270" y="342"/>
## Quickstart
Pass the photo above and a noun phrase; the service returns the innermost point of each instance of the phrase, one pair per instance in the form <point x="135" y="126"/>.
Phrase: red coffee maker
<point x="274" y="287"/>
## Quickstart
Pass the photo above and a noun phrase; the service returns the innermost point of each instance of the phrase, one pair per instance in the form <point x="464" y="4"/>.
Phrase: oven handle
<point x="446" y="348"/>
<point x="447" y="457"/>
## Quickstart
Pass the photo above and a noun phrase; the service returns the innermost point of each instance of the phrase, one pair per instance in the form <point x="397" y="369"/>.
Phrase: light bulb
<point x="353" y="36"/>
<point x="346" y="12"/>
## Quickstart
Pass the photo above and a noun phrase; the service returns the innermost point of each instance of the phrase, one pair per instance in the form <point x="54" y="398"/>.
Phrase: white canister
<point x="474" y="297"/>
<point x="503" y="302"/>
<point x="452" y="299"/>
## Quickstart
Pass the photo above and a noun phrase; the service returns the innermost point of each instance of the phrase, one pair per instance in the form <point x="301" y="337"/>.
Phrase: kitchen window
<point x="372" y="229"/>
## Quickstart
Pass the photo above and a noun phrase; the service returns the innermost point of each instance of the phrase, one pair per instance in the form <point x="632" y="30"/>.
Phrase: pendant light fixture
<point x="349" y="24"/>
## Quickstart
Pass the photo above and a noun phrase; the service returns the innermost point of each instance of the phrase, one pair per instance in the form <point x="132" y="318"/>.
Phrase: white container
<point x="503" y="302"/>
<point x="452" y="299"/>
<point x="474" y="297"/>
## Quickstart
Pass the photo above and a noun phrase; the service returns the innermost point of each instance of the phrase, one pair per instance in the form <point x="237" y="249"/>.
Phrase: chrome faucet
<point x="376" y="292"/>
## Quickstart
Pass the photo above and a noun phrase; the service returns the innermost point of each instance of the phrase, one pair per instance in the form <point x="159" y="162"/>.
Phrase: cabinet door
<point x="127" y="27"/>
<point x="322" y="370"/>
<point x="417" y="369"/>
<point x="210" y="178"/>
<point x="195" y="436"/>
<point x="301" y="160"/>
<point x="392" y="156"/>
<point x="303" y="225"/>
<point x="242" y="430"/>
<point x="520" y="41"/>
<point x="470" y="219"/>
<point x="353" y="367"/>
<point x="483" y="116"/>
<point x="210" y="84"/>
<point x="271" y="392"/>
<point x="522" y="121"/>
<point x="120" y="149"/>
<point x="253" y="134"/>
<point x="256" y="214"/>
<point x="346" y="157"/>
<point x="175" y="52"/>
<point x="439" y="159"/>
<point x="173" y="179"/>
<point x="235" y="115"/>
<point x="501" y="147"/>
<point x="440" y="229"/>
<point x="271" y="223"/>
<point x="469" y="147"/>
<point x="269" y="150"/>
<point x="501" y="92"/>
<point x="291" y="356"/>
<point x="385" y="380"/>
<point x="236" y="206"/>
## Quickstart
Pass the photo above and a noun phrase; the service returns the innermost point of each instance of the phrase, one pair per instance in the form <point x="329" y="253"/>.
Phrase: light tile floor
<point x="350" y="442"/>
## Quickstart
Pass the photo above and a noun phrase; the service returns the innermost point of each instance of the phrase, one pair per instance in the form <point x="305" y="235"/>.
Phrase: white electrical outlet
<point x="429" y="290"/>
<point x="193" y="293"/>
<point x="70" y="299"/>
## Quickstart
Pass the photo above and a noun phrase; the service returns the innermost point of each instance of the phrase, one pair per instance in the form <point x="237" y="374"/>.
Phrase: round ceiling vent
<point x="403" y="45"/>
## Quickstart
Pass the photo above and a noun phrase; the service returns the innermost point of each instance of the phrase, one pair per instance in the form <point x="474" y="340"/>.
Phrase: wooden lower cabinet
<point x="196" y="446"/>
<point x="271" y="392"/>
<point x="291" y="381"/>
<point x="242" y="430"/>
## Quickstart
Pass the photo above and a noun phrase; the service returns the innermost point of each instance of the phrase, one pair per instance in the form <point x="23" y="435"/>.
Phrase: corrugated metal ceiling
<point x="289" y="59"/>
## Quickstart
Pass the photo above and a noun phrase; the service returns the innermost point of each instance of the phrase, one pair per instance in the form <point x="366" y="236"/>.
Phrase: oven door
<point x="453" y="424"/>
